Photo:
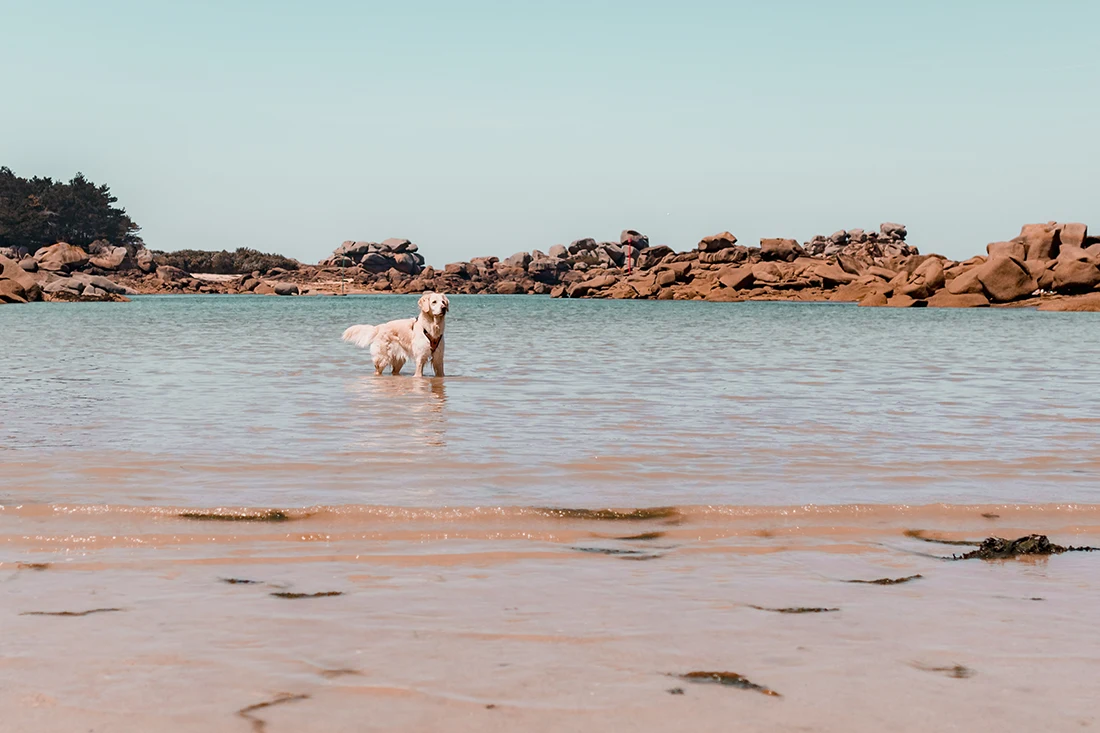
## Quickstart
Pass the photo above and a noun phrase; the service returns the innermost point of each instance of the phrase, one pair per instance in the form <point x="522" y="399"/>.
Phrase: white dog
<point x="419" y="339"/>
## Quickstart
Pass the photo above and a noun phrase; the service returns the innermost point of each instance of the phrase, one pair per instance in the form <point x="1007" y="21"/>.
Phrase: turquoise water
<point x="227" y="400"/>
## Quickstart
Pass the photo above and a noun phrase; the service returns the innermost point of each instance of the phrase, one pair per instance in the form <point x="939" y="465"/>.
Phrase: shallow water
<point x="784" y="449"/>
<point x="255" y="401"/>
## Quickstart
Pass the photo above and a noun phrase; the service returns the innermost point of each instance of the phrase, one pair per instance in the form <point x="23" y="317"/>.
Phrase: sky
<point x="487" y="128"/>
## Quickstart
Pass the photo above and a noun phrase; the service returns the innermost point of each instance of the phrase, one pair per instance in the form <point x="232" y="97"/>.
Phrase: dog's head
<point x="435" y="304"/>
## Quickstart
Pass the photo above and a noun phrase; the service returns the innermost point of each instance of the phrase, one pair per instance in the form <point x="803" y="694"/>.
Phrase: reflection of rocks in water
<point x="998" y="548"/>
<point x="729" y="679"/>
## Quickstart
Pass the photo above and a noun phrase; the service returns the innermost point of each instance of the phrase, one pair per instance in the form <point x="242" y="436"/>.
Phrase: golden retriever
<point x="420" y="339"/>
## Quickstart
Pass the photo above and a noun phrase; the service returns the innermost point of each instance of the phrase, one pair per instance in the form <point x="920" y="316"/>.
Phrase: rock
<point x="737" y="278"/>
<point x="581" y="289"/>
<point x="509" y="287"/>
<point x="144" y="260"/>
<point x="94" y="293"/>
<point x="724" y="256"/>
<point x="1040" y="240"/>
<point x="547" y="270"/>
<point x="634" y="239"/>
<point x="787" y="250"/>
<point x="60" y="257"/>
<point x="946" y="299"/>
<point x="622" y="290"/>
<point x="170" y="274"/>
<point x="767" y="272"/>
<point x="98" y="281"/>
<point x="115" y="258"/>
<point x="1043" y="272"/>
<point x="927" y="279"/>
<point x="893" y="231"/>
<point x="11" y="271"/>
<point x="12" y="292"/>
<point x="266" y="288"/>
<point x="557" y="291"/>
<point x="286" y="289"/>
<point x="717" y="242"/>
<point x="64" y="283"/>
<point x="582" y="245"/>
<point x="833" y="276"/>
<point x="407" y="263"/>
<point x="1073" y="235"/>
<point x="653" y="256"/>
<point x="850" y="264"/>
<point x="904" y="301"/>
<point x="1084" y="303"/>
<point x="1005" y="279"/>
<point x="1014" y="248"/>
<point x="665" y="278"/>
<point x="558" y="251"/>
<point x="1075" y="276"/>
<point x="519" y="259"/>
<point x="966" y="283"/>
<point x="28" y="264"/>
<point x="398" y="245"/>
<point x="881" y="272"/>
<point x="377" y="262"/>
<point x="874" y="300"/>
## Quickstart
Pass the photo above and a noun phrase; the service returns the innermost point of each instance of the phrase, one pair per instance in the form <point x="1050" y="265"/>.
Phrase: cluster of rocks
<point x="888" y="241"/>
<point x="378" y="257"/>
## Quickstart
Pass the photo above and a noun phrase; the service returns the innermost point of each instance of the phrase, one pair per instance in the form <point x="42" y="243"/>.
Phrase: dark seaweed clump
<point x="998" y="548"/>
<point x="730" y="679"/>
<point x="796" y="609"/>
<point x="643" y="537"/>
<point x="957" y="671"/>
<point x="272" y="515"/>
<point x="258" y="725"/>
<point x="238" y="581"/>
<point x="33" y="566"/>
<point x="888" y="581"/>
<point x="918" y="534"/>
<point x="70" y="613"/>
<point x="612" y="515"/>
<point x="295" y="596"/>
<point x="606" y="551"/>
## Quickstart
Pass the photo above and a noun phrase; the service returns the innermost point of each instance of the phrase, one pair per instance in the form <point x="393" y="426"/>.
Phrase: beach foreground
<point x="372" y="618"/>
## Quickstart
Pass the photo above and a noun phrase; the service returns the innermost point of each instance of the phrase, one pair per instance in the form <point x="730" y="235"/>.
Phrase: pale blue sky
<point x="490" y="127"/>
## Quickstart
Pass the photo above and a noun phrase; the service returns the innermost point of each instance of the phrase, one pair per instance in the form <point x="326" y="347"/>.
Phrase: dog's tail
<point x="360" y="335"/>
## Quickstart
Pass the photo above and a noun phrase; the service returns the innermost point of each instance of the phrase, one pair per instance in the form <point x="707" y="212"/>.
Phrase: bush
<point x="240" y="262"/>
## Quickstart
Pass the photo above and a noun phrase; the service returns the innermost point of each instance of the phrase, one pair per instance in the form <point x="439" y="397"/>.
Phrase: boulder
<point x="717" y="242"/>
<point x="737" y="278"/>
<point x="653" y="256"/>
<point x="881" y="272"/>
<point x="724" y="256"/>
<point x="144" y="260"/>
<point x="285" y="289"/>
<point x="64" y="284"/>
<point x="965" y="283"/>
<point x="582" y="245"/>
<point x="547" y="270"/>
<point x="114" y="258"/>
<point x="266" y="288"/>
<point x="622" y="290"/>
<point x="91" y="292"/>
<point x="28" y="264"/>
<point x="11" y="271"/>
<point x="12" y="292"/>
<point x="1005" y="279"/>
<point x="1075" y="276"/>
<point x="60" y="257"/>
<point x="1084" y="303"/>
<point x="377" y="262"/>
<point x="509" y="287"/>
<point x="634" y="238"/>
<point x="98" y="281"/>
<point x="947" y="299"/>
<point x="665" y="278"/>
<point x="519" y="259"/>
<point x="170" y="274"/>
<point x="1043" y="272"/>
<point x="1014" y="248"/>
<point x="1040" y="240"/>
<point x="850" y="264"/>
<point x="1073" y="235"/>
<point x="558" y="251"/>
<point x="407" y="263"/>
<point x="905" y="301"/>
<point x="875" y="300"/>
<point x="397" y="245"/>
<point x="786" y="250"/>
<point x="833" y="276"/>
<point x="890" y="230"/>
<point x="767" y="272"/>
<point x="857" y="291"/>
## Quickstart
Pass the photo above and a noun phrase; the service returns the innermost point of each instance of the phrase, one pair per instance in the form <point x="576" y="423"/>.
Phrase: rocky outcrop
<point x="888" y="241"/>
<point x="378" y="257"/>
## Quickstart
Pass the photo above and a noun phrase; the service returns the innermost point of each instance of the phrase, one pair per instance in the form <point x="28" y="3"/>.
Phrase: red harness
<point x="433" y="342"/>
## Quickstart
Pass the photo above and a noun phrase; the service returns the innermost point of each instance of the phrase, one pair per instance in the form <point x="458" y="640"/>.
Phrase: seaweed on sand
<point x="887" y="581"/>
<point x="957" y="671"/>
<point x="643" y="537"/>
<point x="612" y="515"/>
<point x="33" y="566"/>
<point x="729" y="679"/>
<point x="295" y="596"/>
<point x="998" y="548"/>
<point x="919" y="534"/>
<point x="271" y="515"/>
<point x="796" y="609"/>
<point x="259" y="725"/>
<point x="89" y="612"/>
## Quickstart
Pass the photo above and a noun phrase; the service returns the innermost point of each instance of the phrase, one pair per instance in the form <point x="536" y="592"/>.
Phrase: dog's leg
<point x="398" y="364"/>
<point x="437" y="360"/>
<point x="421" y="360"/>
<point x="378" y="358"/>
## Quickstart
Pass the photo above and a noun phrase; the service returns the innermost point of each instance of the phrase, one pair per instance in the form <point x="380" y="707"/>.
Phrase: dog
<point x="420" y="339"/>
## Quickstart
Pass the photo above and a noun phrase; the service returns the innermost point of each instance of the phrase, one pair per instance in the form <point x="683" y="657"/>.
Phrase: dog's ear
<point x="446" y="302"/>
<point x="425" y="302"/>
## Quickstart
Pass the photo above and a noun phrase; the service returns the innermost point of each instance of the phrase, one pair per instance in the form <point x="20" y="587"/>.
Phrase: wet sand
<point x="355" y="618"/>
